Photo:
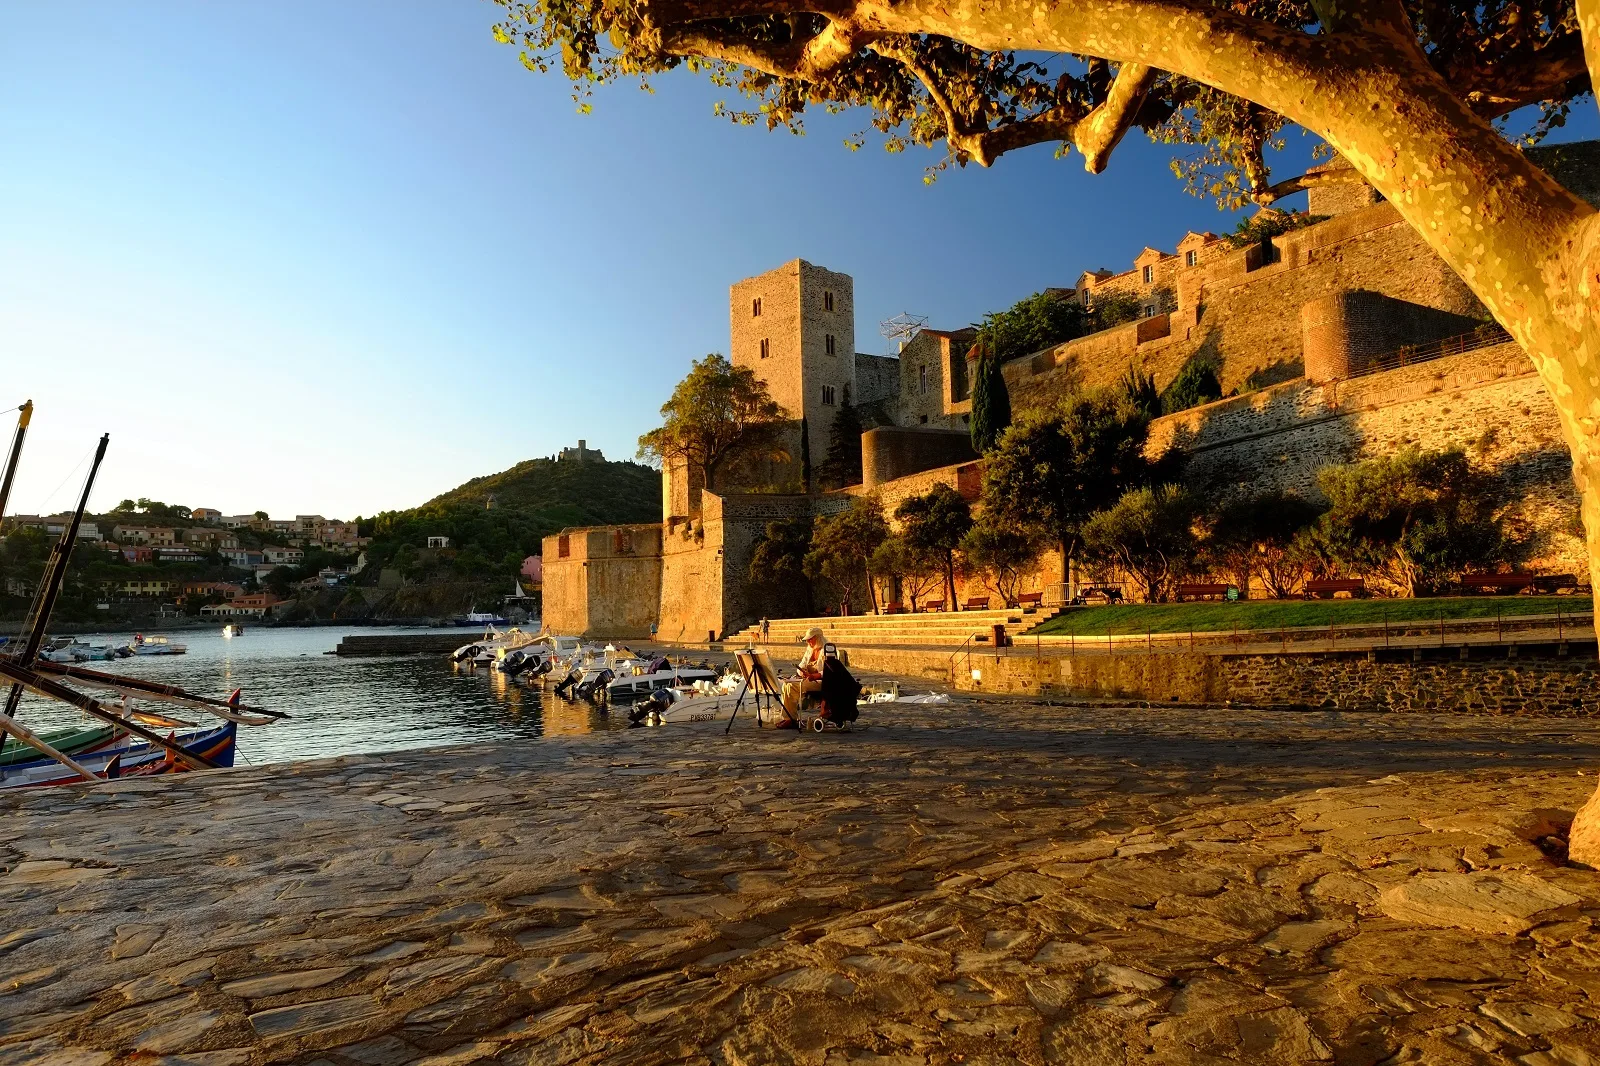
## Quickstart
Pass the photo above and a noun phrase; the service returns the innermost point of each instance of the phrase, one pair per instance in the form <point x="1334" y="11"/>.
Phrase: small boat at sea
<point x="231" y="630"/>
<point x="215" y="744"/>
<point x="143" y="645"/>
<point x="474" y="618"/>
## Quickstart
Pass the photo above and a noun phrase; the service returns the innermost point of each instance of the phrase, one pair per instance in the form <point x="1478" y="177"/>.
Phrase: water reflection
<point x="346" y="706"/>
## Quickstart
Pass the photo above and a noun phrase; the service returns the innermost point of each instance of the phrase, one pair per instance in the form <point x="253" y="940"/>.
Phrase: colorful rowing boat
<point x="138" y="759"/>
<point x="77" y="740"/>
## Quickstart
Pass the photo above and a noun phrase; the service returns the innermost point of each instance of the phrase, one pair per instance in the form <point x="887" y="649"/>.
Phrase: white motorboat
<point x="231" y="630"/>
<point x="483" y="652"/>
<point x="64" y="650"/>
<point x="640" y="678"/>
<point x="143" y="645"/>
<point x="706" y="702"/>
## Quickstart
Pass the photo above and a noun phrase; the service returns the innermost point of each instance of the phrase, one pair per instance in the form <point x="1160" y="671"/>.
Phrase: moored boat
<point x="215" y="744"/>
<point x="143" y="645"/>
<point x="77" y="740"/>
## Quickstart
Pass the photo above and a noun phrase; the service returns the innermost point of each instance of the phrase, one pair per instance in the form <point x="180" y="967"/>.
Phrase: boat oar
<point x="34" y="740"/>
<point x="137" y="687"/>
<point x="28" y="678"/>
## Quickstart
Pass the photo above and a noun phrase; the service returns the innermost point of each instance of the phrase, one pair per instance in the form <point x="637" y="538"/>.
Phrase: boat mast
<point x="55" y="576"/>
<point x="23" y="419"/>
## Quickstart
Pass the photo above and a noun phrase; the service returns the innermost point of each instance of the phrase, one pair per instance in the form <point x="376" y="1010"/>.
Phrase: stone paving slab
<point x="977" y="882"/>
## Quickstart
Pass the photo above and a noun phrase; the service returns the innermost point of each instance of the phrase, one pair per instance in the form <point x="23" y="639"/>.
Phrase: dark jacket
<point x="839" y="692"/>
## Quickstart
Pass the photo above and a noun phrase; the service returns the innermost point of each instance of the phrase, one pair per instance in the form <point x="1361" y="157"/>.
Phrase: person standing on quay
<point x="766" y="630"/>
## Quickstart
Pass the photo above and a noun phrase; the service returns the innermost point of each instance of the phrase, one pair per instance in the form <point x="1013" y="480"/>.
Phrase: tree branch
<point x="805" y="59"/>
<point x="1320" y="179"/>
<point x="1589" y="26"/>
<point x="1103" y="128"/>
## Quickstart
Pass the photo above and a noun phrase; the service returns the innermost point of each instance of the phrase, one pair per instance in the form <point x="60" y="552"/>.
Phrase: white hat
<point x="815" y="632"/>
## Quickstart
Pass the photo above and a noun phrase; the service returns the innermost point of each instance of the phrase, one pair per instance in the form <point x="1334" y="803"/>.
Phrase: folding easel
<point x="760" y="680"/>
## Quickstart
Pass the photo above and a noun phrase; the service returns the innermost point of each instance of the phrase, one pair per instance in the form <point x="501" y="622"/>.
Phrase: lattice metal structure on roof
<point x="901" y="328"/>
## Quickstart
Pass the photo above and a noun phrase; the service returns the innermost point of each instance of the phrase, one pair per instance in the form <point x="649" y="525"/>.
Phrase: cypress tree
<point x="805" y="453"/>
<point x="991" y="403"/>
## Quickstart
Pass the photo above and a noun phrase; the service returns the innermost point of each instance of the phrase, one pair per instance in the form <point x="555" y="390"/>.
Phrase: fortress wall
<point x="1488" y="402"/>
<point x="1249" y="321"/>
<point x="607" y="585"/>
<point x="877" y="378"/>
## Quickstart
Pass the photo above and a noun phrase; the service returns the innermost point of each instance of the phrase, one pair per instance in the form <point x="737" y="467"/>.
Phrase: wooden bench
<point x="1202" y="590"/>
<point x="976" y="603"/>
<point x="894" y="608"/>
<point x="933" y="605"/>
<point x="1555" y="582"/>
<point x="1496" y="582"/>
<point x="1328" y="588"/>
<point x="1030" y="599"/>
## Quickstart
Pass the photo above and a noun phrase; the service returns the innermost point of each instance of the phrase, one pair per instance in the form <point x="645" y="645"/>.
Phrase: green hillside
<point x="496" y="521"/>
<point x="566" y="494"/>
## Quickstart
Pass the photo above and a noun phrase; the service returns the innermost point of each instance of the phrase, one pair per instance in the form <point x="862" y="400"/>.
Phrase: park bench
<point x="1329" y="587"/>
<point x="894" y="608"/>
<point x="1555" y="582"/>
<point x="1030" y="599"/>
<point x="933" y="605"/>
<point x="976" y="603"/>
<point x="1202" y="590"/>
<point x="1496" y="582"/>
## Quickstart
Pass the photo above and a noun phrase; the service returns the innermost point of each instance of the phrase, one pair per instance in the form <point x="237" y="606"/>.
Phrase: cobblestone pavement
<point x="977" y="883"/>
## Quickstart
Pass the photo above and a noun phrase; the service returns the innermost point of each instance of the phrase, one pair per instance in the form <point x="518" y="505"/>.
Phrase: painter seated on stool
<point x="807" y="679"/>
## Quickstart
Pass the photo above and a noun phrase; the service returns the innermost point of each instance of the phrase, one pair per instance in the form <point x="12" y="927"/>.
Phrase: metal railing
<point x="1412" y="354"/>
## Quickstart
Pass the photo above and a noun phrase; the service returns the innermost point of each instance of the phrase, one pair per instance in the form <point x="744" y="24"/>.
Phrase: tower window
<point x="1149" y="309"/>
<point x="755" y="307"/>
<point x="827" y="300"/>
<point x="766" y="348"/>
<point x="1191" y="257"/>
<point x="1149" y="274"/>
<point x="922" y="383"/>
<point x="828" y="343"/>
<point x="827" y="395"/>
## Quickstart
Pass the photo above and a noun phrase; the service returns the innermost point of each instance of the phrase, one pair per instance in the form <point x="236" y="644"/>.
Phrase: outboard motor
<point x="566" y="683"/>
<point x="588" y="689"/>
<point x="512" y="664"/>
<point x="464" y="653"/>
<point x="649" y="709"/>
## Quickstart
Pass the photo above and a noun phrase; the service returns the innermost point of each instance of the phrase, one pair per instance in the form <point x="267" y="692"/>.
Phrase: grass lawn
<point x="1287" y="614"/>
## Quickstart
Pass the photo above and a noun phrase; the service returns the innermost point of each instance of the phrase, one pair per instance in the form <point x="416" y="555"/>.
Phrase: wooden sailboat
<point x="136" y="749"/>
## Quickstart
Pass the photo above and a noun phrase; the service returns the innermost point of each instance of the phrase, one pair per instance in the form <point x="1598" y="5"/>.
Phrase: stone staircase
<point x="934" y="629"/>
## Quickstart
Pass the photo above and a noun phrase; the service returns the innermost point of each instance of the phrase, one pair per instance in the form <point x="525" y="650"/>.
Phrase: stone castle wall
<point x="1489" y="402"/>
<point x="603" y="580"/>
<point x="1243" y="315"/>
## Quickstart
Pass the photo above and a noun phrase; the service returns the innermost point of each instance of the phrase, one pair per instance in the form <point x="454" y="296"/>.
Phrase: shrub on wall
<point x="1195" y="384"/>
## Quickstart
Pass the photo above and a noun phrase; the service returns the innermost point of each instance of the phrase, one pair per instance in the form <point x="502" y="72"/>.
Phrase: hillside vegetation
<point x="496" y="521"/>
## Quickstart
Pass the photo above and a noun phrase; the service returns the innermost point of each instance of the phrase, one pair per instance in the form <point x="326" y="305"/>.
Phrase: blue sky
<point x="337" y="258"/>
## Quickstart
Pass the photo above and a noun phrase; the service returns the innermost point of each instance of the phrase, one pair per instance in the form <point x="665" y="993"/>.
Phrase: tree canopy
<point x="842" y="546"/>
<point x="933" y="524"/>
<point x="716" y="409"/>
<point x="1057" y="466"/>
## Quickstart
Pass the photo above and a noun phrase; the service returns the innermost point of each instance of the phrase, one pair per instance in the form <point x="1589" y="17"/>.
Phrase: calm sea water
<point x="340" y="706"/>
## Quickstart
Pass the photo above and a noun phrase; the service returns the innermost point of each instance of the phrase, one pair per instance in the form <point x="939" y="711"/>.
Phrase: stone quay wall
<point x="1527" y="687"/>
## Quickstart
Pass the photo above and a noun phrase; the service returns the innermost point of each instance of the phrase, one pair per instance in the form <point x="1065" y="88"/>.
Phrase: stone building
<point x="1336" y="342"/>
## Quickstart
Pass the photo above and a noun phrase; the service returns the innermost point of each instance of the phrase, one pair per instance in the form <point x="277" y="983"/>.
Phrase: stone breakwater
<point x="993" y="882"/>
